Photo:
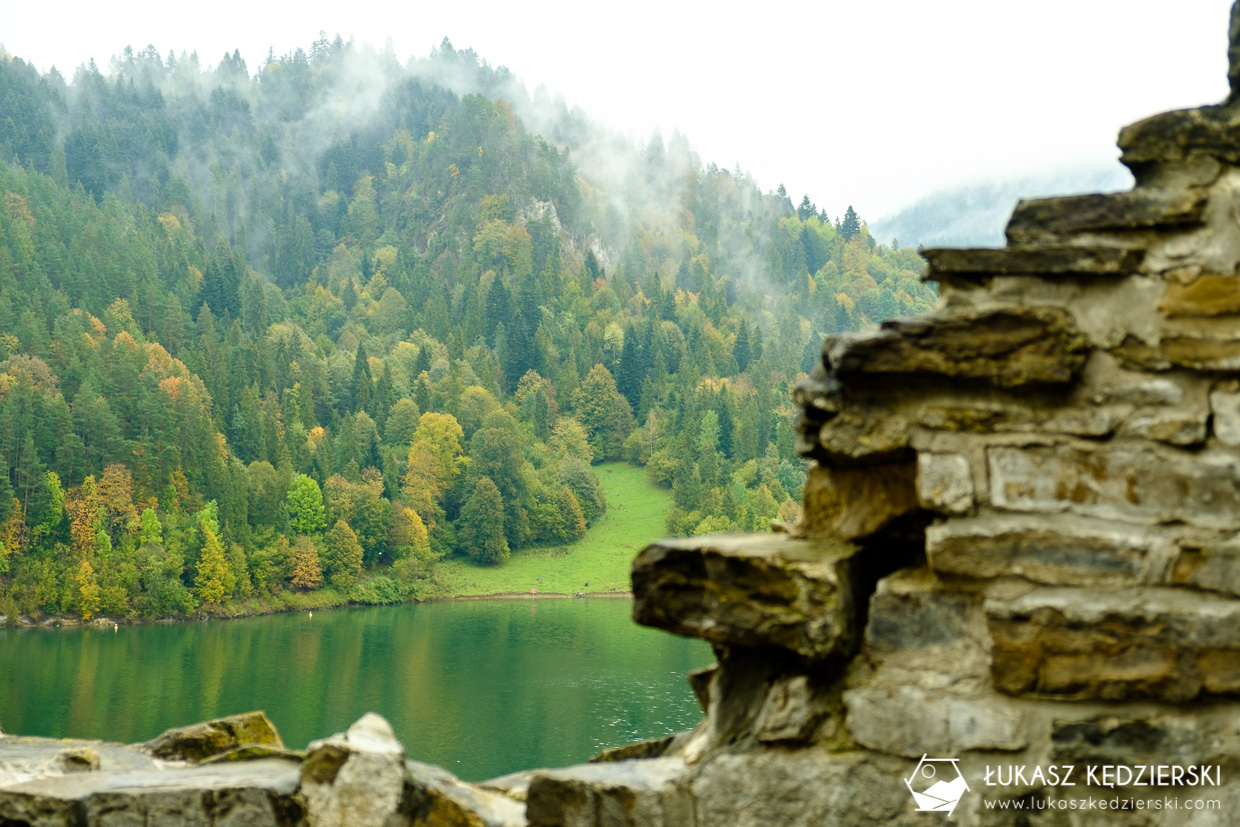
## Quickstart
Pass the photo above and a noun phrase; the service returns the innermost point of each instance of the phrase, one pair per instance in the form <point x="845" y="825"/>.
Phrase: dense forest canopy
<point x="308" y="329"/>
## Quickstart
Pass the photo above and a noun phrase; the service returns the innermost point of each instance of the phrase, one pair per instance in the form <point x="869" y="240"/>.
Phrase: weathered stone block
<point x="908" y="721"/>
<point x="1129" y="483"/>
<point x="1205" y="295"/>
<point x="1225" y="409"/>
<point x="251" y="793"/>
<point x="793" y="709"/>
<point x="1008" y="347"/>
<point x="945" y="483"/>
<point x="1204" y="735"/>
<point x="201" y="741"/>
<point x="910" y="610"/>
<point x="356" y="777"/>
<point x="648" y="748"/>
<point x="1062" y="551"/>
<point x="1184" y="427"/>
<point x="437" y="798"/>
<point x="1211" y="131"/>
<point x="1212" y="565"/>
<point x="24" y="758"/>
<point x="649" y="793"/>
<point x="1046" y="261"/>
<point x="738" y="693"/>
<point x="1166" y="644"/>
<point x="78" y="759"/>
<point x="862" y="434"/>
<point x="700" y="681"/>
<point x="751" y="590"/>
<point x="802" y="788"/>
<point x="1172" y="351"/>
<point x="844" y="504"/>
<point x="1053" y="219"/>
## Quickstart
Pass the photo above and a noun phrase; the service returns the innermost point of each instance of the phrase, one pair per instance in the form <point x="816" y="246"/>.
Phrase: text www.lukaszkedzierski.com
<point x="1104" y="804"/>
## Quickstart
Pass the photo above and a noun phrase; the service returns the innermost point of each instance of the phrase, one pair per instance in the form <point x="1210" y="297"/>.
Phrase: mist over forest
<point x="297" y="332"/>
<point x="975" y="215"/>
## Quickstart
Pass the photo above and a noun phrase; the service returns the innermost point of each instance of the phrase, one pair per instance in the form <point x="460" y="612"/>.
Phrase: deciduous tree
<point x="481" y="524"/>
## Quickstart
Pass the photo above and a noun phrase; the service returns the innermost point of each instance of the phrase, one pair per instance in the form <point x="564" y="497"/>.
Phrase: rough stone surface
<point x="1049" y="261"/>
<point x="1202" y="295"/>
<point x="1132" y="483"/>
<point x="1208" y="735"/>
<point x="912" y="610"/>
<point x="1211" y="131"/>
<point x="1008" y="347"/>
<point x="650" y="793"/>
<point x="435" y="797"/>
<point x="200" y="741"/>
<point x="1052" y="220"/>
<point x="793" y="709"/>
<point x="648" y="748"/>
<point x="801" y="788"/>
<point x="1213" y="564"/>
<point x="845" y="504"/>
<point x="1063" y="551"/>
<point x="945" y="483"/>
<point x="1225" y="409"/>
<point x="772" y="590"/>
<point x="1165" y="644"/>
<point x="356" y="777"/>
<point x="908" y="721"/>
<point x="24" y="758"/>
<point x="250" y="793"/>
<point x="1181" y="351"/>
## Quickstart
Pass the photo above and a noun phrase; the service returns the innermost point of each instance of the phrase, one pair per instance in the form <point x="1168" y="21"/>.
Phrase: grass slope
<point x="636" y="510"/>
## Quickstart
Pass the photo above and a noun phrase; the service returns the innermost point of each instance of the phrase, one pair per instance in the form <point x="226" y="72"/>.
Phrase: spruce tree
<point x="851" y="225"/>
<point x="740" y="348"/>
<point x="362" y="388"/>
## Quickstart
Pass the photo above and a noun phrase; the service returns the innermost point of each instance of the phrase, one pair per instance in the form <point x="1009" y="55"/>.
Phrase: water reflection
<point x="481" y="687"/>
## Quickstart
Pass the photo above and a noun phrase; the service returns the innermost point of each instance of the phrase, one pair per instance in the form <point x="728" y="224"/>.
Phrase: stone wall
<point x="1020" y="549"/>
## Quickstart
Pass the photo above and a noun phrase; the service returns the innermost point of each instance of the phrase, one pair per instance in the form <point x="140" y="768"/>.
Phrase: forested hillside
<point x="312" y="326"/>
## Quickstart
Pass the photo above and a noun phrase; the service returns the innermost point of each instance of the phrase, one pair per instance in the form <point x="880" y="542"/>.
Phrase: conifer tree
<point x="362" y="387"/>
<point x="740" y="348"/>
<point x="851" y="225"/>
<point x="6" y="491"/>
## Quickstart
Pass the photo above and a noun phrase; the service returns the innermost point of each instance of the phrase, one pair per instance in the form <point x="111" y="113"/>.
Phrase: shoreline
<point x="528" y="596"/>
<point x="65" y="622"/>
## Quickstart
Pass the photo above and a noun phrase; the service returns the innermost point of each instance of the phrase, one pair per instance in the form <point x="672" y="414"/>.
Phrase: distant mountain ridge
<point x="974" y="215"/>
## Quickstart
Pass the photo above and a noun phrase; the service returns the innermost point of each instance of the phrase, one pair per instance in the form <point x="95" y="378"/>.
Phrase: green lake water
<point x="480" y="687"/>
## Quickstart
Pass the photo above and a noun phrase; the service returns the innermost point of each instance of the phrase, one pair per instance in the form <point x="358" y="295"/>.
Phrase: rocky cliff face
<point x="1012" y="598"/>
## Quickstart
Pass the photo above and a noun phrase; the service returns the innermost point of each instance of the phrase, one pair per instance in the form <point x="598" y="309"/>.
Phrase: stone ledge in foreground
<point x="757" y="590"/>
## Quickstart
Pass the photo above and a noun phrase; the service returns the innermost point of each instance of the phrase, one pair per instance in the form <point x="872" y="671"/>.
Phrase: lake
<point x="480" y="687"/>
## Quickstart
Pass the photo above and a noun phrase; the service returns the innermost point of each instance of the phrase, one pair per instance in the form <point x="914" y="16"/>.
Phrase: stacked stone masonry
<point x="1020" y="548"/>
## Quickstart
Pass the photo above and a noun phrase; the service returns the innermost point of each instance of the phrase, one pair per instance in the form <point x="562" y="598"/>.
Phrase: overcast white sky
<point x="868" y="102"/>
